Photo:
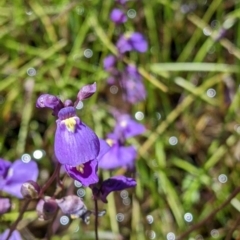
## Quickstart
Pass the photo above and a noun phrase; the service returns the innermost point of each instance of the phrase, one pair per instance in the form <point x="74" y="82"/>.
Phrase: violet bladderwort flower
<point x="133" y="88"/>
<point x="121" y="155"/>
<point x="132" y="42"/>
<point x="13" y="175"/>
<point x="118" y="16"/>
<point x="75" y="143"/>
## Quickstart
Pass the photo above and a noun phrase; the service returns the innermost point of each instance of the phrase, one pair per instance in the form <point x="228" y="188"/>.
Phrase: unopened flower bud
<point x="5" y="205"/>
<point x="46" y="208"/>
<point x="30" y="189"/>
<point x="72" y="205"/>
<point x="87" y="91"/>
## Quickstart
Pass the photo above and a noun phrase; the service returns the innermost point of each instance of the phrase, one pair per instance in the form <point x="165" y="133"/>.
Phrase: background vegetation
<point x="188" y="162"/>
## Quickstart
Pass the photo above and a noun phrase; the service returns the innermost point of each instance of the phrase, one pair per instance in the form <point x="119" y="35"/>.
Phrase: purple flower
<point x="118" y="16"/>
<point x="118" y="156"/>
<point x="14" y="236"/>
<point x="5" y="205"/>
<point x="116" y="183"/>
<point x="109" y="62"/>
<point x="133" y="87"/>
<point x="87" y="172"/>
<point x="75" y="143"/>
<point x="132" y="42"/>
<point x="13" y="175"/>
<point x="126" y="127"/>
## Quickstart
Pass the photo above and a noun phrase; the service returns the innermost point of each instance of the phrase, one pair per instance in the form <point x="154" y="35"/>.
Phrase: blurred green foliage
<point x="191" y="73"/>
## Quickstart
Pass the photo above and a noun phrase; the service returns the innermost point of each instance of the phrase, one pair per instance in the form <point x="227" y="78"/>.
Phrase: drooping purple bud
<point x="118" y="16"/>
<point x="68" y="103"/>
<point x="109" y="62"/>
<point x="72" y="205"/>
<point x="5" y="205"/>
<point x="30" y="190"/>
<point x="50" y="101"/>
<point x="46" y="208"/>
<point x="116" y="183"/>
<point x="87" y="91"/>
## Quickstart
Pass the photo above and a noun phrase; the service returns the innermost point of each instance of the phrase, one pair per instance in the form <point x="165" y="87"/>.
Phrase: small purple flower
<point x="126" y="127"/>
<point x="14" y="236"/>
<point x="116" y="183"/>
<point x="13" y="175"/>
<point x="118" y="16"/>
<point x="132" y="42"/>
<point x="75" y="143"/>
<point x="118" y="156"/>
<point x="87" y="172"/>
<point x="5" y="205"/>
<point x="133" y="87"/>
<point x="109" y="62"/>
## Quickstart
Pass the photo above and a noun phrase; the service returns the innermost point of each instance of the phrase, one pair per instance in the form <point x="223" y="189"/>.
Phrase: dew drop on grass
<point x="151" y="234"/>
<point x="26" y="158"/>
<point x="222" y="178"/>
<point x="124" y="194"/>
<point x="207" y="31"/>
<point x="171" y="236"/>
<point x="80" y="105"/>
<point x="38" y="154"/>
<point x="31" y="72"/>
<point x="158" y="115"/>
<point x="173" y="140"/>
<point x="211" y="92"/>
<point x="131" y="13"/>
<point x="64" y="220"/>
<point x="215" y="24"/>
<point x="88" y="53"/>
<point x="77" y="184"/>
<point x="81" y="192"/>
<point x="119" y="217"/>
<point x="139" y="116"/>
<point x="126" y="201"/>
<point x="188" y="217"/>
<point x="149" y="219"/>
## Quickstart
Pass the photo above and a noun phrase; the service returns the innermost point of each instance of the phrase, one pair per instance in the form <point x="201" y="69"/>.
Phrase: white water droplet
<point x="132" y="13"/>
<point x="222" y="178"/>
<point x="80" y="105"/>
<point x="170" y="236"/>
<point x="26" y="158"/>
<point x="81" y="192"/>
<point x="173" y="140"/>
<point x="31" y="72"/>
<point x="119" y="217"/>
<point x="188" y="217"/>
<point x="149" y="219"/>
<point x="211" y="92"/>
<point x="207" y="31"/>
<point x="114" y="89"/>
<point x="77" y="184"/>
<point x="139" y="116"/>
<point x="214" y="233"/>
<point x="64" y="220"/>
<point x="88" y="53"/>
<point x="38" y="154"/>
<point x="126" y="201"/>
<point x="124" y="194"/>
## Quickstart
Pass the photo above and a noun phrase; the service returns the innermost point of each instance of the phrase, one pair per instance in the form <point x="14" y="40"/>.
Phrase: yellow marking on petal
<point x="80" y="168"/>
<point x="70" y="124"/>
<point x="110" y="142"/>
